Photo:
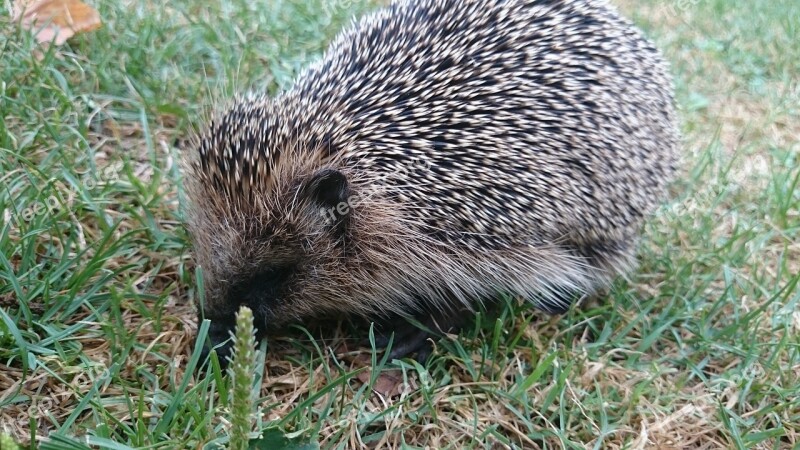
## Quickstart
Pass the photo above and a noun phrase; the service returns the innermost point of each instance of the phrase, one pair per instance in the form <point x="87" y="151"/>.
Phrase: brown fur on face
<point x="266" y="254"/>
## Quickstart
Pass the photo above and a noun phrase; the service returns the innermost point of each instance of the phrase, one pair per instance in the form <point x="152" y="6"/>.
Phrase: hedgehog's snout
<point x="219" y="339"/>
<point x="259" y="293"/>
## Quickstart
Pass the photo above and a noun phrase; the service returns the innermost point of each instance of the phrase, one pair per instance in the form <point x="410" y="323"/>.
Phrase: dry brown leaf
<point x="388" y="384"/>
<point x="56" y="20"/>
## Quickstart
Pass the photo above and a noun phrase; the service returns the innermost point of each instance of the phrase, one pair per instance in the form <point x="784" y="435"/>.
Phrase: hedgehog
<point x="440" y="155"/>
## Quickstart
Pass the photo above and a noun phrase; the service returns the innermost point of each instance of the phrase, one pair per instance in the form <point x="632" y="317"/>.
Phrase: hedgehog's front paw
<point x="406" y="339"/>
<point x="409" y="336"/>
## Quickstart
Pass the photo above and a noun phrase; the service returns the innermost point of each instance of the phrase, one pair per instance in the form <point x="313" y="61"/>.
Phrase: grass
<point x="699" y="348"/>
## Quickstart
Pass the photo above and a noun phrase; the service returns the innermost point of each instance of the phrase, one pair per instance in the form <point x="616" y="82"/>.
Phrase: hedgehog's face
<point x="282" y="263"/>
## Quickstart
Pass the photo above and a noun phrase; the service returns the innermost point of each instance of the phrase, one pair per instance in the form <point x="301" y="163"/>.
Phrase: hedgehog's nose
<point x="219" y="340"/>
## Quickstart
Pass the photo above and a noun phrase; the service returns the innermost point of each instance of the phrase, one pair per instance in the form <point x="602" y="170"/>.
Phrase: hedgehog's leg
<point x="411" y="340"/>
<point x="405" y="338"/>
<point x="415" y="335"/>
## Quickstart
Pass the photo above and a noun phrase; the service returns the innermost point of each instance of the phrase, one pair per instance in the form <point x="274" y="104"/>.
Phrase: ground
<point x="698" y="348"/>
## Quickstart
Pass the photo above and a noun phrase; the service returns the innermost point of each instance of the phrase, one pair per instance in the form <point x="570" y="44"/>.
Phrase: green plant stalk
<point x="242" y="374"/>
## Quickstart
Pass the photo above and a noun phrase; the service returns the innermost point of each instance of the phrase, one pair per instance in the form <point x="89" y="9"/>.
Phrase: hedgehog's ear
<point x="329" y="189"/>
